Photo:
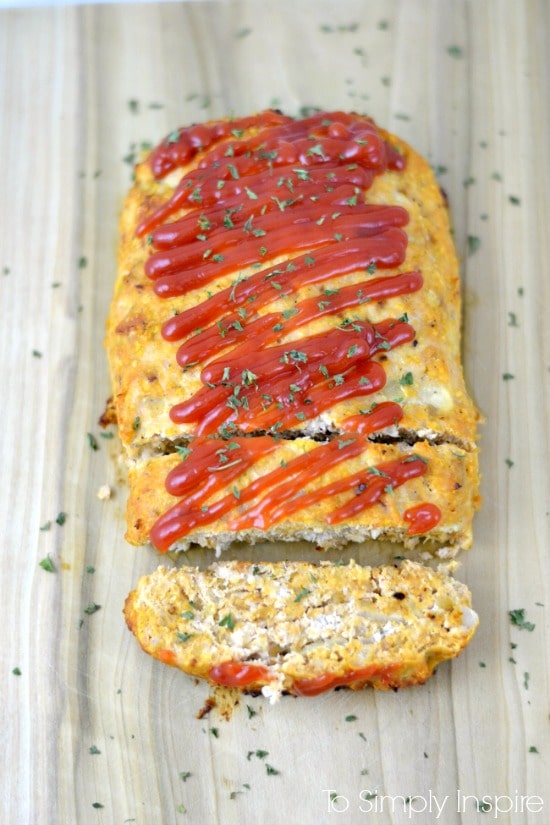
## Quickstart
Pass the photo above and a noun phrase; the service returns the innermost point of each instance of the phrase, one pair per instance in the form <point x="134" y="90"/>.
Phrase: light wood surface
<point x="467" y="83"/>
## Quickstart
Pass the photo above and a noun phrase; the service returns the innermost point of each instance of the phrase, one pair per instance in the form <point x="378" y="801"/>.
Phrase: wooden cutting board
<point x="93" y="731"/>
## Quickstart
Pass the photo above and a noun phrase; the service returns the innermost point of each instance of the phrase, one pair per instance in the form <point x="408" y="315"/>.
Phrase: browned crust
<point x="108" y="416"/>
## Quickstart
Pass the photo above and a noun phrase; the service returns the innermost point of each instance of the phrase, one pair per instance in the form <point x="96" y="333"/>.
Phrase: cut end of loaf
<point x="296" y="487"/>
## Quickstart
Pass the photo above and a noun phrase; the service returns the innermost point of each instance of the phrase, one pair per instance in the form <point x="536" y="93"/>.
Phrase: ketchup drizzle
<point x="422" y="518"/>
<point x="292" y="188"/>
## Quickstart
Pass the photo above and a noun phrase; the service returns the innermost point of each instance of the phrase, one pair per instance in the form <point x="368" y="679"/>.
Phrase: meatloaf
<point x="296" y="281"/>
<point x="284" y="346"/>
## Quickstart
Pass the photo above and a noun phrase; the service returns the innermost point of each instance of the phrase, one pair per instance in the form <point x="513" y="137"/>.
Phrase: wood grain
<point x="467" y="84"/>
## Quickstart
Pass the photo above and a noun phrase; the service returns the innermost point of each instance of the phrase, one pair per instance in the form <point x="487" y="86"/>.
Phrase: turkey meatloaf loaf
<point x="284" y="340"/>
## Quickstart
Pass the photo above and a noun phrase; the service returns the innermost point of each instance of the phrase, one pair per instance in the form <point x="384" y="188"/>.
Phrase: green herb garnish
<point x="517" y="618"/>
<point x="473" y="244"/>
<point x="228" y="621"/>
<point x="92" y="608"/>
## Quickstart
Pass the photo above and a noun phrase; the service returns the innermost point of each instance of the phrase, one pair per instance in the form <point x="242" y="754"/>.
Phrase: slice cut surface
<point x="302" y="628"/>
